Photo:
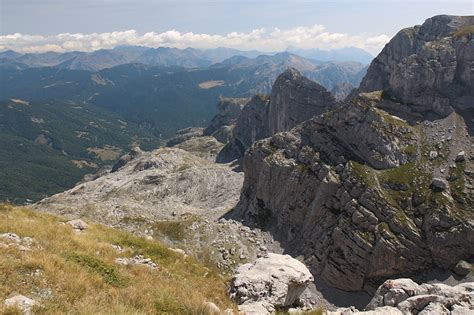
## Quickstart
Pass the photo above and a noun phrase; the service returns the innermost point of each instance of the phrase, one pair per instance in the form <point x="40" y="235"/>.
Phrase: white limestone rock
<point x="22" y="302"/>
<point x="78" y="225"/>
<point x="274" y="280"/>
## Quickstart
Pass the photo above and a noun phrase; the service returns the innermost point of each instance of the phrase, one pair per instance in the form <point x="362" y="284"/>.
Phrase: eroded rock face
<point x="347" y="191"/>
<point x="250" y="126"/>
<point x="293" y="100"/>
<point x="428" y="67"/>
<point x="269" y="282"/>
<point x="222" y="124"/>
<point x="342" y="91"/>
<point x="351" y="190"/>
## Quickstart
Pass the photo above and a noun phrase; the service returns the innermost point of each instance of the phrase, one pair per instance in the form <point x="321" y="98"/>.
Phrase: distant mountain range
<point x="162" y="56"/>
<point x="342" y="54"/>
<point x="60" y="119"/>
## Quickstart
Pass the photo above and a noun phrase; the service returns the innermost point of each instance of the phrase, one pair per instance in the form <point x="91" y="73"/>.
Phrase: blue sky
<point x="246" y="24"/>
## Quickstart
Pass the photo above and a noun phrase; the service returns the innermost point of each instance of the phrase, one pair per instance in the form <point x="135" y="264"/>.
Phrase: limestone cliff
<point x="293" y="100"/>
<point x="222" y="124"/>
<point x="363" y="194"/>
<point x="428" y="67"/>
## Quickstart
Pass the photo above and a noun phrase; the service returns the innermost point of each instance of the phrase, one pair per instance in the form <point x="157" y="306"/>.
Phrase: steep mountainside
<point x="365" y="195"/>
<point x="222" y="124"/>
<point x="294" y="99"/>
<point x="428" y="68"/>
<point x="263" y="70"/>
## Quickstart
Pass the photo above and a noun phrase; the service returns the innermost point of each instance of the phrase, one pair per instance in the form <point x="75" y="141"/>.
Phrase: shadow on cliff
<point x="335" y="296"/>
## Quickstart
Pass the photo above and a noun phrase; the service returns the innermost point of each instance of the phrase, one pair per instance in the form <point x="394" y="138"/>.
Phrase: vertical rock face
<point x="342" y="90"/>
<point x="352" y="189"/>
<point x="228" y="111"/>
<point x="428" y="67"/>
<point x="250" y="126"/>
<point x="295" y="99"/>
<point x="349" y="191"/>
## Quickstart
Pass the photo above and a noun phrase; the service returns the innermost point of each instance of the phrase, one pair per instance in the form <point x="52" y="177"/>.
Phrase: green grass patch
<point x="365" y="173"/>
<point x="93" y="264"/>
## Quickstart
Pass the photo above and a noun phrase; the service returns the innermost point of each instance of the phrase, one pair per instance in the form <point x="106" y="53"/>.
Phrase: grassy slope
<point x="79" y="270"/>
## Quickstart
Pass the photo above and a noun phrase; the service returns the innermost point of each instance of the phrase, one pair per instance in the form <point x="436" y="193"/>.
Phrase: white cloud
<point x="305" y="37"/>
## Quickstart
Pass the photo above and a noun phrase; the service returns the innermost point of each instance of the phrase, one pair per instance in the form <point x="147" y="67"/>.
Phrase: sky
<point x="265" y="25"/>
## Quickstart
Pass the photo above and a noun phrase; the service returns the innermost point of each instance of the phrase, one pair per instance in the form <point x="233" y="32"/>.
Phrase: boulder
<point x="411" y="298"/>
<point x="78" y="224"/>
<point x="438" y="184"/>
<point x="137" y="260"/>
<point x="22" y="302"/>
<point x="386" y="310"/>
<point x="272" y="281"/>
<point x="460" y="157"/>
<point x="462" y="268"/>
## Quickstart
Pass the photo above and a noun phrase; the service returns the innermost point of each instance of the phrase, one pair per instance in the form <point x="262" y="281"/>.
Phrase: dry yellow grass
<point x="75" y="273"/>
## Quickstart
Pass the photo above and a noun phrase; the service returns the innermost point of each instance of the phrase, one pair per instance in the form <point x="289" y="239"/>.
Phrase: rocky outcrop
<point x="13" y="240"/>
<point x="206" y="147"/>
<point x="250" y="127"/>
<point x="154" y="185"/>
<point x="269" y="282"/>
<point x="357" y="190"/>
<point x="78" y="225"/>
<point x="350" y="190"/>
<point x="184" y="135"/>
<point x="123" y="160"/>
<point x="293" y="100"/>
<point x="342" y="91"/>
<point x="222" y="124"/>
<point x="428" y="68"/>
<point x="138" y="260"/>
<point x="437" y="298"/>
